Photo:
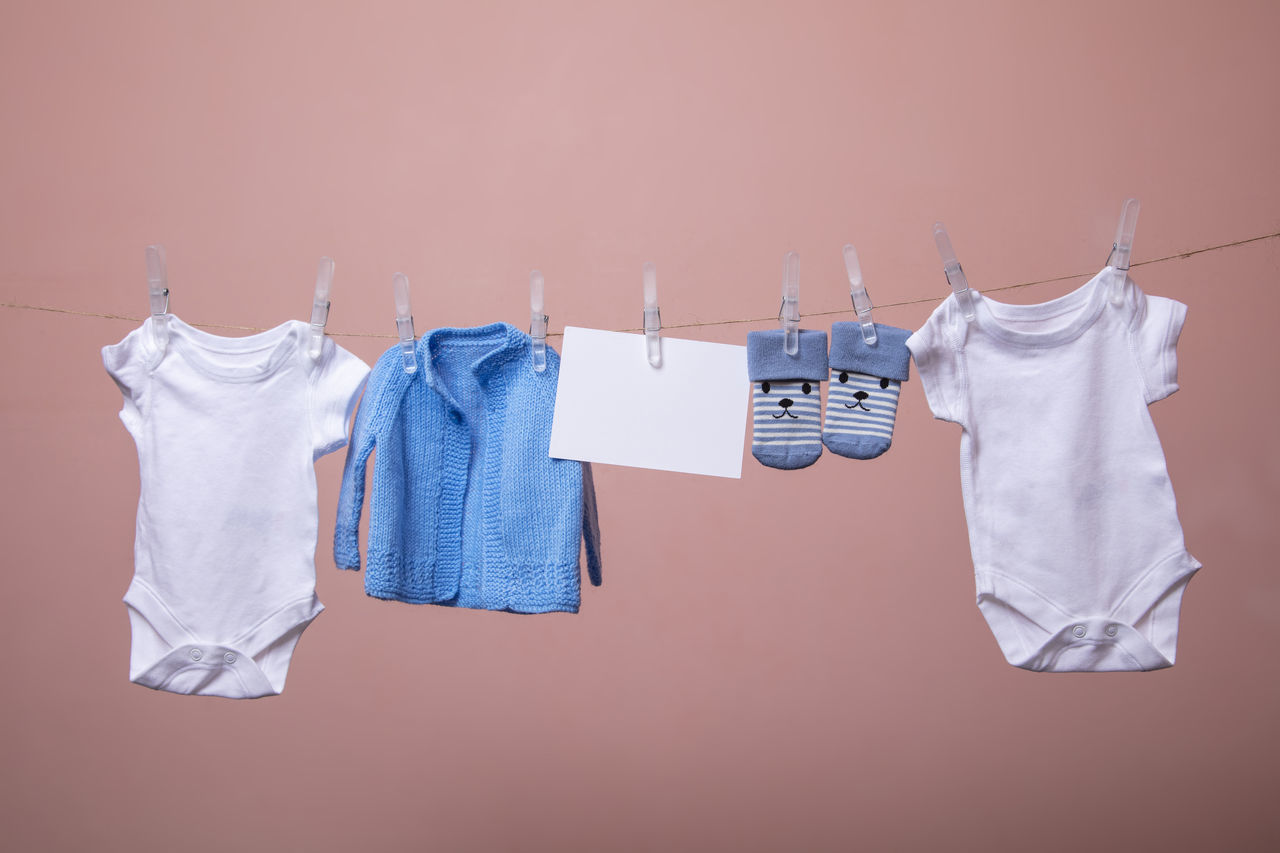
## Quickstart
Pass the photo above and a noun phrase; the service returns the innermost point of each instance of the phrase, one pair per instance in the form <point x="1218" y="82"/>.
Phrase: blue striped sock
<point x="862" y="401"/>
<point x="786" y="391"/>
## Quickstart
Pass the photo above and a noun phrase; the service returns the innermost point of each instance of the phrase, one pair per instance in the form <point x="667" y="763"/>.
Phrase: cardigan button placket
<point x="461" y="458"/>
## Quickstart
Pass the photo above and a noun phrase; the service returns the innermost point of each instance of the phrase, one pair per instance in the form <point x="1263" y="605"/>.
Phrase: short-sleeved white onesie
<point x="227" y="432"/>
<point x="1077" y="548"/>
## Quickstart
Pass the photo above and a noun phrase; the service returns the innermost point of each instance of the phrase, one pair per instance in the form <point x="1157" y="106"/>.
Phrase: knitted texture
<point x="468" y="509"/>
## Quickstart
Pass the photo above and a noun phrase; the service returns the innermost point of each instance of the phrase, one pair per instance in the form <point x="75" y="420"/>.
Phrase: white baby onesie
<point x="1077" y="549"/>
<point x="227" y="431"/>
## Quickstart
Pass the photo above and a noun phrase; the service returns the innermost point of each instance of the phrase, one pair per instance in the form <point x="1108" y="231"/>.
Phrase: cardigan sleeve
<point x="346" y="531"/>
<point x="591" y="525"/>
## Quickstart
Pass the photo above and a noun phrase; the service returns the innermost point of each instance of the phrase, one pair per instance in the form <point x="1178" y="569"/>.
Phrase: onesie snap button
<point x="229" y="657"/>
<point x="1078" y="630"/>
<point x="196" y="654"/>
<point x="1111" y="630"/>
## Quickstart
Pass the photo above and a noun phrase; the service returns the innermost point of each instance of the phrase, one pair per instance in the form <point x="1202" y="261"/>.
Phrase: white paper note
<point x="688" y="415"/>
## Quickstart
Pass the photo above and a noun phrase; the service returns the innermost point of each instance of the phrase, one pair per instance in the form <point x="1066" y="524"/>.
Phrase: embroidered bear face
<point x="861" y="403"/>
<point x="787" y="419"/>
<point x="793" y="402"/>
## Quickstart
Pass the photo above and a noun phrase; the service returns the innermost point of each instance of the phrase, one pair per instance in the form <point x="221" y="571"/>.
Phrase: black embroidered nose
<point x="860" y="395"/>
<point x="786" y="402"/>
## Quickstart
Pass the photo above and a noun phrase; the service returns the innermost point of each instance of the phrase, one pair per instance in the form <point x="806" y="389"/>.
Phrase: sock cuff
<point x="888" y="357"/>
<point x="768" y="359"/>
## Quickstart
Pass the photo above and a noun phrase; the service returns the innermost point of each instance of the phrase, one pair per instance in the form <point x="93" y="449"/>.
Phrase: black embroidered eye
<point x="764" y="386"/>
<point x="884" y="383"/>
<point x="806" y="387"/>
<point x="844" y="376"/>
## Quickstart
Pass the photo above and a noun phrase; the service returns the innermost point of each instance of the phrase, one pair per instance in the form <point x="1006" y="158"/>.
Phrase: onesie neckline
<point x="1086" y="301"/>
<point x="202" y="350"/>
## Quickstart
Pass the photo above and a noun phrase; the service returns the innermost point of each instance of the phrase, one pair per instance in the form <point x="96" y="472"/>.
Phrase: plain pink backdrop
<point x="792" y="661"/>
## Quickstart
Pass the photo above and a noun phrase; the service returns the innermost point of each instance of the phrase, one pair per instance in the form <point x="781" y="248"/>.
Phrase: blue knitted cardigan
<point x="468" y="509"/>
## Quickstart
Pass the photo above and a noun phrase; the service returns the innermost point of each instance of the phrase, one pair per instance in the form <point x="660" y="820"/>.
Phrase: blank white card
<point x="688" y="415"/>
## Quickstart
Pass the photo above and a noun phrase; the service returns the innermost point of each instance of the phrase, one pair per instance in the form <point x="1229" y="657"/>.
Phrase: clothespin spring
<point x="652" y="316"/>
<point x="537" y="322"/>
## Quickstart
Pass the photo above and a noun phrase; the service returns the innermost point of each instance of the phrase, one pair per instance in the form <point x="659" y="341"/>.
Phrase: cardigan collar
<point x="506" y="342"/>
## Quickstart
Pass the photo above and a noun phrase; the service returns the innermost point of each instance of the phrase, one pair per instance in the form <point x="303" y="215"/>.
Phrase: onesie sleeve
<point x="129" y="363"/>
<point x="938" y="361"/>
<point x="336" y="385"/>
<point x="1155" y="338"/>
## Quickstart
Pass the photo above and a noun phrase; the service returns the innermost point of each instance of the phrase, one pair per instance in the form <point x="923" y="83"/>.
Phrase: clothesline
<point x="1174" y="257"/>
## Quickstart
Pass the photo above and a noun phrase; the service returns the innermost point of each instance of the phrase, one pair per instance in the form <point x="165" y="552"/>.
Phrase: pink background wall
<point x="746" y="678"/>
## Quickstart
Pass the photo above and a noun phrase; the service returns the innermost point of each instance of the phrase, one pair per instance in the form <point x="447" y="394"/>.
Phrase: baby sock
<point x="862" y="401"/>
<point x="786" y="406"/>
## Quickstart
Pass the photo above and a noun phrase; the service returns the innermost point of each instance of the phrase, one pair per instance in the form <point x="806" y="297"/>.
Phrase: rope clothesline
<point x="1174" y="257"/>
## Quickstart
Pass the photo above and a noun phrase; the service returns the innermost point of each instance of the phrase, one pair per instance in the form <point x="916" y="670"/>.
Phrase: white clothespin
<point x="955" y="273"/>
<point x="404" y="321"/>
<point x="858" y="293"/>
<point x="320" y="307"/>
<point x="158" y="291"/>
<point x="789" y="313"/>
<point x="652" y="316"/>
<point x="537" y="322"/>
<point x="1121" y="248"/>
